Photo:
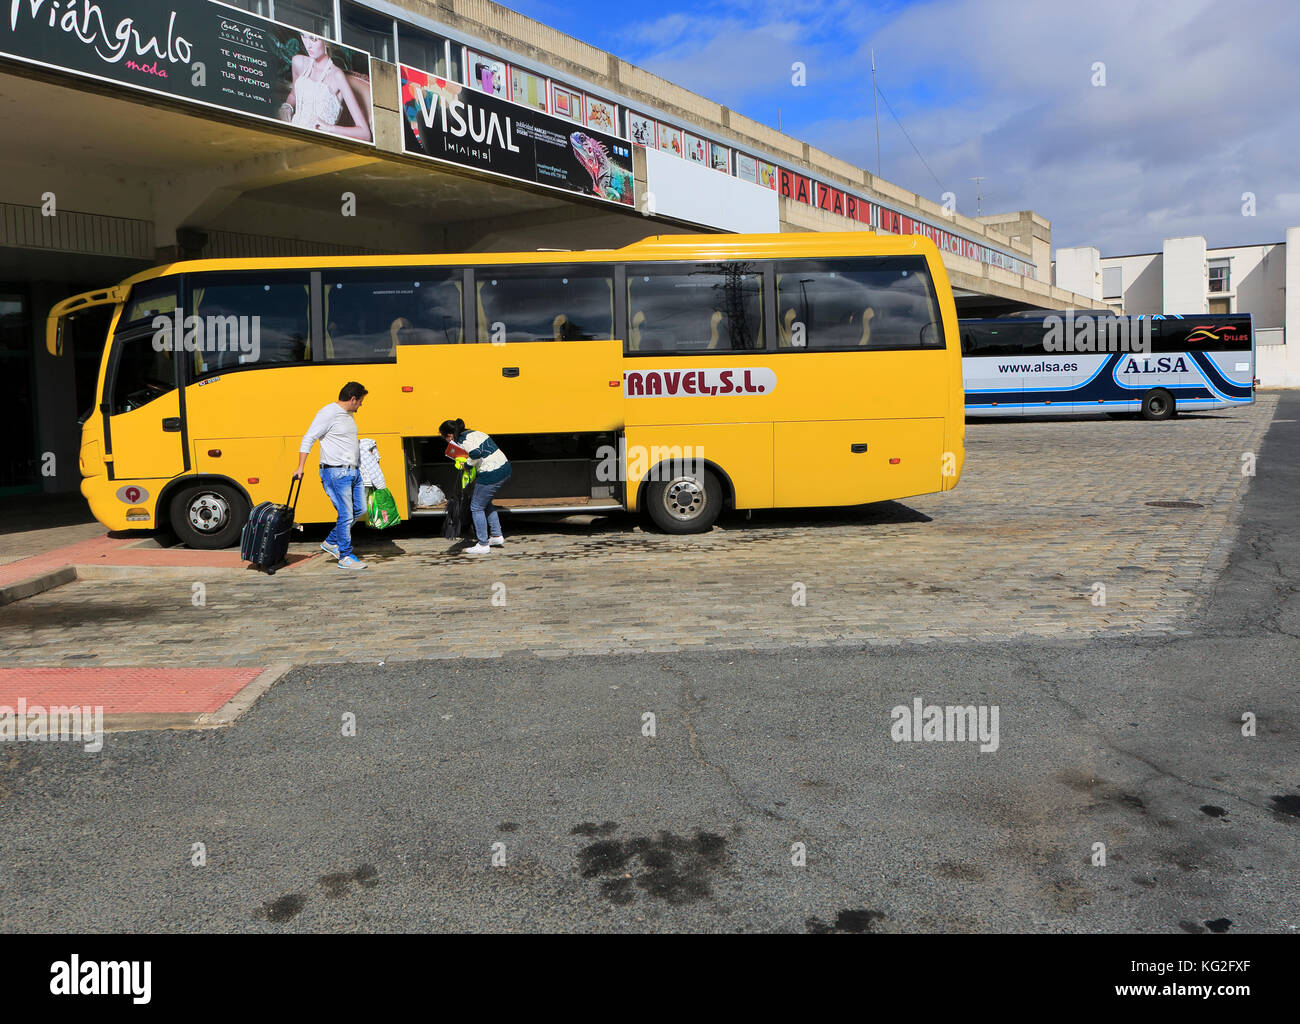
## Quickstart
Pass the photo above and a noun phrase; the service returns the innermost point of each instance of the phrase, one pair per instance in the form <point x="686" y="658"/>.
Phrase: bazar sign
<point x="448" y="121"/>
<point x="742" y="380"/>
<point x="803" y="189"/>
<point x="201" y="52"/>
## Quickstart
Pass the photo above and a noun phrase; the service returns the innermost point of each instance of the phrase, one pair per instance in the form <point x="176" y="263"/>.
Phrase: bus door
<point x="141" y="403"/>
<point x="547" y="358"/>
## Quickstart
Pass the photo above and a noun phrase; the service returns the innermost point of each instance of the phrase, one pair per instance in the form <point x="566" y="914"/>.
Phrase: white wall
<point x="1257" y="281"/>
<point x="696" y="193"/>
<point x="1079" y="270"/>
<point x="1142" y="281"/>
<point x="1185" y="279"/>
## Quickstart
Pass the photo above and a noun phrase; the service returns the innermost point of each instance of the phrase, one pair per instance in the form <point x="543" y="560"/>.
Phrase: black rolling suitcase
<point x="265" y="540"/>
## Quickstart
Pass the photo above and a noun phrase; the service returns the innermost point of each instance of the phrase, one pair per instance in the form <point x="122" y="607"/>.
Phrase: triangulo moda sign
<point x="447" y="121"/>
<point x="201" y="52"/>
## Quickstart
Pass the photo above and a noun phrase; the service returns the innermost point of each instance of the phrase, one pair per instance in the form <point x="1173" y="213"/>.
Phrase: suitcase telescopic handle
<point x="292" y="500"/>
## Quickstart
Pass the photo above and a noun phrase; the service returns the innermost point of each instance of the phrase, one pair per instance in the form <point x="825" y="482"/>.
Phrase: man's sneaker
<point x="351" y="562"/>
<point x="330" y="549"/>
<point x="477" y="549"/>
<point x="496" y="542"/>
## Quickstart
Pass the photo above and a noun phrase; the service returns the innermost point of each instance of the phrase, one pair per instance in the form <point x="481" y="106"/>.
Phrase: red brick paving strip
<point x="97" y="550"/>
<point x="126" y="690"/>
<point x="118" y="551"/>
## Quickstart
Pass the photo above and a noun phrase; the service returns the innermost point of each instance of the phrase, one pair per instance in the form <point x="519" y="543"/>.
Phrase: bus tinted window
<point x="142" y="373"/>
<point x="1202" y="334"/>
<point x="227" y="304"/>
<point x="368" y="313"/>
<point x="694" y="307"/>
<point x="1002" y="338"/>
<point x="856" y="303"/>
<point x="545" y="303"/>
<point x="148" y="300"/>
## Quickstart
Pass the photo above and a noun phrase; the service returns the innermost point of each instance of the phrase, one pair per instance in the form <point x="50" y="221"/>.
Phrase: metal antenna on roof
<point x="875" y="100"/>
<point x="978" y="196"/>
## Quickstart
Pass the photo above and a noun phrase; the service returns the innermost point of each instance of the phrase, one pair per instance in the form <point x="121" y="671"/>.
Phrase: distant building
<point x="1188" y="277"/>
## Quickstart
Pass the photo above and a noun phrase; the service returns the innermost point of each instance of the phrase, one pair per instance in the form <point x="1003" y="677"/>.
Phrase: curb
<point x="219" y="719"/>
<point x="36" y="585"/>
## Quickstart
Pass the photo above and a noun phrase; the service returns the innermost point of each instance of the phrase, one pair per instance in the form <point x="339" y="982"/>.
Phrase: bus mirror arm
<point x="75" y="304"/>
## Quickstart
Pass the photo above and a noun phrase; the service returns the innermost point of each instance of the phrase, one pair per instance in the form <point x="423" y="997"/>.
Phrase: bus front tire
<point x="209" y="516"/>
<point x="1158" y="405"/>
<point x="684" y="504"/>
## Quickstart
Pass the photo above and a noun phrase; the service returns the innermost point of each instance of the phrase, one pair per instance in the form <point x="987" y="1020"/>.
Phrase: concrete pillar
<point x="1291" y="333"/>
<point x="1078" y="270"/>
<point x="1186" y="283"/>
<point x="56" y="400"/>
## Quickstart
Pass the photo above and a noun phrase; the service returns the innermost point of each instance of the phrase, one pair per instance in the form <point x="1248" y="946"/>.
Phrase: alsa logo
<point x="743" y="380"/>
<point x="1163" y="365"/>
<point x="1226" y="334"/>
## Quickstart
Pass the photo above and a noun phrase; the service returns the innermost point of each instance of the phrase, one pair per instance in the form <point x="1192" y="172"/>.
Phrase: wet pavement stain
<point x="1219" y="925"/>
<point x="1286" y="805"/>
<point x="508" y="826"/>
<point x="284" y="909"/>
<point x="1191" y="927"/>
<point x="960" y="872"/>
<point x="340" y="883"/>
<point x="1213" y="811"/>
<point x="669" y="868"/>
<point x="588" y="828"/>
<point x="847" y="922"/>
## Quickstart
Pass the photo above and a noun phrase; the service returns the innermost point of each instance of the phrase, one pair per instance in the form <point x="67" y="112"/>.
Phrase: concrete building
<point x="1188" y="277"/>
<point x="142" y="131"/>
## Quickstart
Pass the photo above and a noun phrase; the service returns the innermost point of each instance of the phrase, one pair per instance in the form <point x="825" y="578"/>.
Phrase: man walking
<point x="340" y="473"/>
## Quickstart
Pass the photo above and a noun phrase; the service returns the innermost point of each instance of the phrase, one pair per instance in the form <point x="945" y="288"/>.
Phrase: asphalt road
<point x="1134" y="744"/>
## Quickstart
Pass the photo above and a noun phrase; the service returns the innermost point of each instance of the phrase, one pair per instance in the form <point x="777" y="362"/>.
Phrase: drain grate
<point x="1175" y="504"/>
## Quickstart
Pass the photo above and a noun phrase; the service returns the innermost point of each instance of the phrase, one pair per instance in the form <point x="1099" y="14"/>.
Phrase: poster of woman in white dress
<point x="328" y="86"/>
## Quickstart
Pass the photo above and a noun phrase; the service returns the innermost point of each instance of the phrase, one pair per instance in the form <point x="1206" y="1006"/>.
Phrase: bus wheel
<point x="1158" y="405"/>
<point x="685" y="504"/>
<point x="209" y="516"/>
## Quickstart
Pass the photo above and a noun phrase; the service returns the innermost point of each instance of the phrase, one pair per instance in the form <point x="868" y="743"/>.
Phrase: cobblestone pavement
<point x="1045" y="511"/>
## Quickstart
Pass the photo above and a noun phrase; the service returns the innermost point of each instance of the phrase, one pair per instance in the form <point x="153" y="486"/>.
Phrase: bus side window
<point x="562" y="303"/>
<point x="865" y="302"/>
<point x="368" y="313"/>
<point x="694" y="307"/>
<point x="250" y="319"/>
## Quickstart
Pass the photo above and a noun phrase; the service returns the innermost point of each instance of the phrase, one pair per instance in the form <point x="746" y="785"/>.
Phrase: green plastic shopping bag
<point x="381" y="509"/>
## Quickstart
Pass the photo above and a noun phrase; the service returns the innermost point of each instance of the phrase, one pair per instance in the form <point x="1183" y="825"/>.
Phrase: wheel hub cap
<point x="209" y="513"/>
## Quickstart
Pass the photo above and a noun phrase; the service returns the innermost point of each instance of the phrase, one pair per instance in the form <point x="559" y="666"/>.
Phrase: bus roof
<point x="824" y="244"/>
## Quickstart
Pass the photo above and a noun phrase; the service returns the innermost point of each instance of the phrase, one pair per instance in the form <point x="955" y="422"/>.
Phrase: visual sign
<point x="445" y="121"/>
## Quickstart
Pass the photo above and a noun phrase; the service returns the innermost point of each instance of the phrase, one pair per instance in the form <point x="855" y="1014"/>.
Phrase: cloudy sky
<point x="1200" y="102"/>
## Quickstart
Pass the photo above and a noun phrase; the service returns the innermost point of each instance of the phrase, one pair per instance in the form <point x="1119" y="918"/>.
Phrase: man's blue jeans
<point x="344" y="489"/>
<point x="483" y="512"/>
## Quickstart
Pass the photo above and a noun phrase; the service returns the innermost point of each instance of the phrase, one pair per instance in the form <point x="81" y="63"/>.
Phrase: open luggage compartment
<point x="550" y="473"/>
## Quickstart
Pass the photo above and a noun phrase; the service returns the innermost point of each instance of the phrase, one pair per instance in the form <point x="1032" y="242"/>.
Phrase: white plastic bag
<point x="431" y="495"/>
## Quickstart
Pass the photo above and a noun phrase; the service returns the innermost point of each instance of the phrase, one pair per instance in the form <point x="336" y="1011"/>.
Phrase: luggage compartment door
<point x="852" y="462"/>
<point x="531" y="387"/>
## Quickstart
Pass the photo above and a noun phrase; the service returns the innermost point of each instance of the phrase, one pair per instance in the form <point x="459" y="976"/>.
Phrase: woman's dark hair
<point x="453" y="427"/>
<point x="352" y="390"/>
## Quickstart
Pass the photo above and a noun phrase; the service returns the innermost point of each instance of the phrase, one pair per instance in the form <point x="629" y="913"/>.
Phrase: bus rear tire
<point x="1158" y="405"/>
<point x="208" y="516"/>
<point x="684" y="504"/>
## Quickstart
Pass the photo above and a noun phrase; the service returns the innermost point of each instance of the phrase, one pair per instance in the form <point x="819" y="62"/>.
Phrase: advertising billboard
<point x="444" y="121"/>
<point x="201" y="52"/>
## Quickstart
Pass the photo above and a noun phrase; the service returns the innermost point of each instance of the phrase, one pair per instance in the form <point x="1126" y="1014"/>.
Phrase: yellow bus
<point x="677" y="376"/>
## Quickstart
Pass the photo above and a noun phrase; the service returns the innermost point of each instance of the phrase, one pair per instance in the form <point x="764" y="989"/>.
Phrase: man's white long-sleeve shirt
<point x="336" y="431"/>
